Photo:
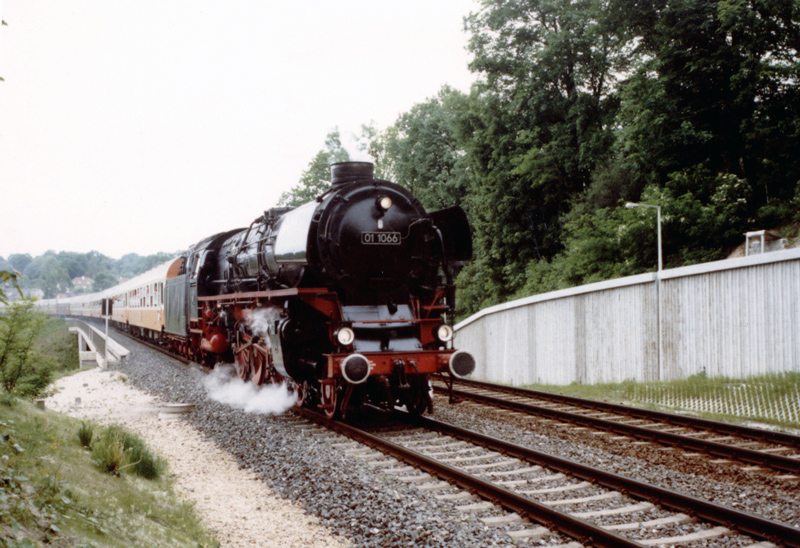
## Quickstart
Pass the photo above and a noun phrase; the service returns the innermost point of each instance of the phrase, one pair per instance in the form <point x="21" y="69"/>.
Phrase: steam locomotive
<point x="344" y="299"/>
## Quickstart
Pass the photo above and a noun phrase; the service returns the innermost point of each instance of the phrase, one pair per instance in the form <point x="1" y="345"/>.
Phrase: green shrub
<point x="19" y="361"/>
<point x="34" y="384"/>
<point x="57" y="343"/>
<point x="109" y="452"/>
<point x="85" y="434"/>
<point x="117" y="450"/>
<point x="142" y="461"/>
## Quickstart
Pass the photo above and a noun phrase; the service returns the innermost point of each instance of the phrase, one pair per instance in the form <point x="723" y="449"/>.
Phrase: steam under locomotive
<point x="344" y="298"/>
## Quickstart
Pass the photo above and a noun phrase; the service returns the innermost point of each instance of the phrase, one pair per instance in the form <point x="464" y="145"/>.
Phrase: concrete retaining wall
<point x="736" y="318"/>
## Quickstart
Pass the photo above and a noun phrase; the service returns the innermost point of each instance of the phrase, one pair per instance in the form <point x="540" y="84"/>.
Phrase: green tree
<point x="75" y="263"/>
<point x="47" y="273"/>
<point x="316" y="178"/>
<point x="427" y="153"/>
<point x="693" y="105"/>
<point x="542" y="123"/>
<point x="104" y="280"/>
<point x="19" y="261"/>
<point x="715" y="95"/>
<point x="22" y="370"/>
<point x="377" y="144"/>
<point x="96" y="263"/>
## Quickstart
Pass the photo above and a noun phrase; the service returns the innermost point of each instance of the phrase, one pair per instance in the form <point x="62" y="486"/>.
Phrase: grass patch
<point x="53" y="492"/>
<point x="85" y="434"/>
<point x="118" y="450"/>
<point x="771" y="399"/>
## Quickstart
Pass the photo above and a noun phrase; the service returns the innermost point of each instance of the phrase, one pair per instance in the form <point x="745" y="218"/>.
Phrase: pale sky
<point x="144" y="126"/>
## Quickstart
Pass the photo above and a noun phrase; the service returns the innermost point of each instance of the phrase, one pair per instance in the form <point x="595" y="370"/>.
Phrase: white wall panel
<point x="733" y="318"/>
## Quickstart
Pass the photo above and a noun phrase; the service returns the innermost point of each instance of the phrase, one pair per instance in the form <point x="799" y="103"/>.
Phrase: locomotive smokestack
<point x="347" y="172"/>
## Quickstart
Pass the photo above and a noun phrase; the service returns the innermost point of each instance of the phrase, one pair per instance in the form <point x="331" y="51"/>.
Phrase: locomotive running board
<point x="320" y="298"/>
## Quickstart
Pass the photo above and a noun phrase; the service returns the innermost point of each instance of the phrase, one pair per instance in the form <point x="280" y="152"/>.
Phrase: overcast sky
<point x="144" y="126"/>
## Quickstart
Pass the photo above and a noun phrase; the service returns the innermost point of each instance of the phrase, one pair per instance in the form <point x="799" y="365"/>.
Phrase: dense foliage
<point x="33" y="347"/>
<point x="53" y="272"/>
<point x="581" y="106"/>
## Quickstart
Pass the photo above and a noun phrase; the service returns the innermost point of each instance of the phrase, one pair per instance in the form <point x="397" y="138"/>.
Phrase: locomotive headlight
<point x="345" y="336"/>
<point x="444" y="333"/>
<point x="384" y="202"/>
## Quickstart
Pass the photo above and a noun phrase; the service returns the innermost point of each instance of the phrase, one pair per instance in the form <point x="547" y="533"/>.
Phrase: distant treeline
<point x="582" y="106"/>
<point x="53" y="272"/>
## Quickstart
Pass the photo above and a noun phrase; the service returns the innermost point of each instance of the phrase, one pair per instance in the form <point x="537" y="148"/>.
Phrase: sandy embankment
<point x="233" y="503"/>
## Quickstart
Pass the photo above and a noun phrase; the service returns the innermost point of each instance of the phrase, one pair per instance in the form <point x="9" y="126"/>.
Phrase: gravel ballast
<point x="350" y="499"/>
<point x="371" y="509"/>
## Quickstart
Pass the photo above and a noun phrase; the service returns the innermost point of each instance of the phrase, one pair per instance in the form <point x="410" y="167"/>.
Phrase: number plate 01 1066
<point x="380" y="238"/>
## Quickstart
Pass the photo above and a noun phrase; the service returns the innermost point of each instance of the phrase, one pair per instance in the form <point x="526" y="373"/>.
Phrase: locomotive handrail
<point x="291" y="292"/>
<point x="405" y="320"/>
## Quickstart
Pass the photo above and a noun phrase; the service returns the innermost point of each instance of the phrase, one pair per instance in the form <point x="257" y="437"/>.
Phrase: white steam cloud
<point x="224" y="386"/>
<point x="262" y="322"/>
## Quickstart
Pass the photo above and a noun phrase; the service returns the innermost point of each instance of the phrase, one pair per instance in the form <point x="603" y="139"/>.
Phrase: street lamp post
<point x="631" y="205"/>
<point x="659" y="320"/>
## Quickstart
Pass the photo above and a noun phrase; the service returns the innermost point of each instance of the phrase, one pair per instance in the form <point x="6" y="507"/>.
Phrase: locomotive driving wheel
<point x="301" y="393"/>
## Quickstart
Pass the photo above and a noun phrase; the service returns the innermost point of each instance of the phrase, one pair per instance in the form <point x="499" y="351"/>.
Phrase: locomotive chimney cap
<point x="347" y="172"/>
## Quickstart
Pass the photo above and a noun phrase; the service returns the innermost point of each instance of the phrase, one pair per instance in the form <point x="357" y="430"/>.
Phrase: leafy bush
<point x="23" y="370"/>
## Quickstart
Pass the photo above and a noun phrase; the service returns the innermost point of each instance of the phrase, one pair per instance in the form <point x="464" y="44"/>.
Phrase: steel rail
<point x="781" y="438"/>
<point x="756" y="526"/>
<point x="584" y="532"/>
<point x="155" y="347"/>
<point x="717" y="449"/>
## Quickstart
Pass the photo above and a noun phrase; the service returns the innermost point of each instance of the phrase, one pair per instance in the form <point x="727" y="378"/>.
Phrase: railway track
<point x="534" y="495"/>
<point x="725" y="442"/>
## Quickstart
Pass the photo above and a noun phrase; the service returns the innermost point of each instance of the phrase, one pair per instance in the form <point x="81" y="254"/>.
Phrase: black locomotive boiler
<point x="344" y="298"/>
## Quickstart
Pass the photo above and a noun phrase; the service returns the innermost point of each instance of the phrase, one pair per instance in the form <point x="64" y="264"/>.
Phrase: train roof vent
<point x="347" y="172"/>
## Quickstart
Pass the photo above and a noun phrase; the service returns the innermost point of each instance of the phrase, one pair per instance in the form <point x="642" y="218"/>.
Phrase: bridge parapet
<point x="92" y="344"/>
